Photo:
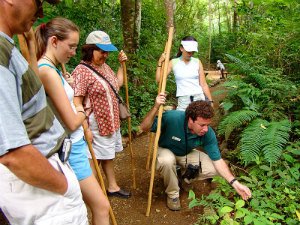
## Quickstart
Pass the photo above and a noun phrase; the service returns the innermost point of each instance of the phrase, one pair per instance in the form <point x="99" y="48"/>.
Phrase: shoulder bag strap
<point x="95" y="71"/>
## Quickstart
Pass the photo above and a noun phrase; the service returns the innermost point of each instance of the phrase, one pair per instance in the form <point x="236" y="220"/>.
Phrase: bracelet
<point x="232" y="181"/>
<point x="82" y="112"/>
<point x="158" y="65"/>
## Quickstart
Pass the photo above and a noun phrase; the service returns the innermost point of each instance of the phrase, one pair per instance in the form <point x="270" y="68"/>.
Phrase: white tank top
<point x="78" y="133"/>
<point x="186" y="77"/>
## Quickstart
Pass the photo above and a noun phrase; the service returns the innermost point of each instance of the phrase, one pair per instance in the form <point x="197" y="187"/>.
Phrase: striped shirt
<point x="25" y="117"/>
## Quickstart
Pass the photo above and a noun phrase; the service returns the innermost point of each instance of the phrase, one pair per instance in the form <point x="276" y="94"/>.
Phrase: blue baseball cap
<point x="101" y="40"/>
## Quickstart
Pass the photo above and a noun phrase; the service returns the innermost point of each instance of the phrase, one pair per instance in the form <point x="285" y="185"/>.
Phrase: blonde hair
<point x="59" y="27"/>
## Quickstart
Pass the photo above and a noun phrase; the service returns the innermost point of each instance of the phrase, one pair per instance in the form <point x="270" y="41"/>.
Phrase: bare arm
<point x="159" y="67"/>
<point x="224" y="171"/>
<point x="120" y="75"/>
<point x="55" y="90"/>
<point x="29" y="165"/>
<point x="78" y="101"/>
<point x="202" y="82"/>
<point x="149" y="118"/>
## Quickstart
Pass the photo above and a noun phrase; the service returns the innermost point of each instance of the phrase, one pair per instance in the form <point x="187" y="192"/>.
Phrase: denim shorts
<point x="79" y="161"/>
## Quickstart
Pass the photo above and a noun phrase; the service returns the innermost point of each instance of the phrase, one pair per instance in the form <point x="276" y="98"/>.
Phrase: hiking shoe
<point x="173" y="203"/>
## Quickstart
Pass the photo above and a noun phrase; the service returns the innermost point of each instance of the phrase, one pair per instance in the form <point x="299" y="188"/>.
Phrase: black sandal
<point x="120" y="193"/>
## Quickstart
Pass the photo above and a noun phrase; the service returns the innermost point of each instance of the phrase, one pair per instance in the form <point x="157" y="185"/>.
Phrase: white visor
<point x="190" y="46"/>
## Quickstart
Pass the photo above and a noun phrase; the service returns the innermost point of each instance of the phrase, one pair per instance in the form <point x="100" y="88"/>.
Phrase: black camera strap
<point x="185" y="137"/>
<point x="185" y="127"/>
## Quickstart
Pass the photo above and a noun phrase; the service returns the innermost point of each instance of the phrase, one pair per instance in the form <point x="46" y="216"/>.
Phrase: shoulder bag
<point x="123" y="110"/>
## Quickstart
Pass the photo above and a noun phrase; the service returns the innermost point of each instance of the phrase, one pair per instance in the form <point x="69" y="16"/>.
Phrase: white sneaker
<point x="173" y="203"/>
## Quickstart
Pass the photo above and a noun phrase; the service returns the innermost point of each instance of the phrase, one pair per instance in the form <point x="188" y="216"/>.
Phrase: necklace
<point x="48" y="59"/>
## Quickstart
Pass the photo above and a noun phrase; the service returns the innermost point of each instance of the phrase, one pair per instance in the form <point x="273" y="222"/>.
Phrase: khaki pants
<point x="166" y="165"/>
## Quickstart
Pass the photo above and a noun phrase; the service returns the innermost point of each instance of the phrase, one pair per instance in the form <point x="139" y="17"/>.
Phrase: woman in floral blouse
<point x="96" y="95"/>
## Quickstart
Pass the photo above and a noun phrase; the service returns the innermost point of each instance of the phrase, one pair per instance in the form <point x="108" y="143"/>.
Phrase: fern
<point x="259" y="79"/>
<point x="250" y="142"/>
<point x="275" y="138"/>
<point x="235" y="120"/>
<point x="264" y="138"/>
<point x="243" y="67"/>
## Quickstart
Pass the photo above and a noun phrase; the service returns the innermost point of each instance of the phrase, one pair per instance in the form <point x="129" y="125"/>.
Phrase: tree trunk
<point x="137" y="24"/>
<point x="170" y="7"/>
<point x="131" y="22"/>
<point x="209" y="30"/>
<point x="235" y="16"/>
<point x="228" y="17"/>
<point x="219" y="19"/>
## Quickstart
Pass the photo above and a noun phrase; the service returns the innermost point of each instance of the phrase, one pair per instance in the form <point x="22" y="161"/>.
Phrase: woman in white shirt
<point x="189" y="74"/>
<point x="57" y="42"/>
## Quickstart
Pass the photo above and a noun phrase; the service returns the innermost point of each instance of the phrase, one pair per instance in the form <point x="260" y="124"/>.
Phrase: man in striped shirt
<point x="35" y="186"/>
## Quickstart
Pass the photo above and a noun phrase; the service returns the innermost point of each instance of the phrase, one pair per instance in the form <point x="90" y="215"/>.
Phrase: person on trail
<point x="57" y="42"/>
<point x="221" y="68"/>
<point x="95" y="84"/>
<point x="189" y="74"/>
<point x="181" y="133"/>
<point x="36" y="186"/>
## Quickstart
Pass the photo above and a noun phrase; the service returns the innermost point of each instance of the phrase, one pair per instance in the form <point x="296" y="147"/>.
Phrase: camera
<point x="191" y="172"/>
<point x="65" y="150"/>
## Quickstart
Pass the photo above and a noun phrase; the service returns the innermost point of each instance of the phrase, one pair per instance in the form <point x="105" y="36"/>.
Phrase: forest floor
<point x="133" y="210"/>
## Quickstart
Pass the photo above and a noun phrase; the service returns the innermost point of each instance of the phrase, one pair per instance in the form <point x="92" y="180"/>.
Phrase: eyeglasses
<point x="72" y="47"/>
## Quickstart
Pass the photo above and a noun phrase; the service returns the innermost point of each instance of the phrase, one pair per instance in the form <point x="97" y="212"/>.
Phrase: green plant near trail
<point x="260" y="111"/>
<point x="275" y="195"/>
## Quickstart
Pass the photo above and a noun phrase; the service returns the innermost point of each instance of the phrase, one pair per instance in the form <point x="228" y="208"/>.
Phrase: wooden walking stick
<point x="111" y="213"/>
<point x="160" y="111"/>
<point x="27" y="47"/>
<point x="151" y="139"/>
<point x="152" y="134"/>
<point x="95" y="162"/>
<point x="129" y="125"/>
<point x="24" y="47"/>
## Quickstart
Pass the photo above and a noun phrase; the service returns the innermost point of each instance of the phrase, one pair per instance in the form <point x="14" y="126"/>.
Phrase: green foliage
<point x="235" y="120"/>
<point x="275" y="195"/>
<point x="265" y="95"/>
<point x="264" y="138"/>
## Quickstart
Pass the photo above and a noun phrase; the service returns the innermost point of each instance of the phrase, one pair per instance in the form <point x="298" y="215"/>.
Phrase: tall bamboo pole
<point x="152" y="135"/>
<point x="160" y="111"/>
<point x="129" y="125"/>
<point x="24" y="48"/>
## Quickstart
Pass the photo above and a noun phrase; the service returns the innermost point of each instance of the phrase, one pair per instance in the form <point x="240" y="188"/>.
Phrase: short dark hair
<point x="87" y="52"/>
<point x="199" y="109"/>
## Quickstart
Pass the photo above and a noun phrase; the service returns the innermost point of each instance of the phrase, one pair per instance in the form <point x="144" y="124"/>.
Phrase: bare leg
<point x="108" y="168"/>
<point x="96" y="200"/>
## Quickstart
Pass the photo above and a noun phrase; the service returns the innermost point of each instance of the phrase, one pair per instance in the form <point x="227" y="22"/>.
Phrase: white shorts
<point x="24" y="204"/>
<point x="184" y="101"/>
<point x="105" y="147"/>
